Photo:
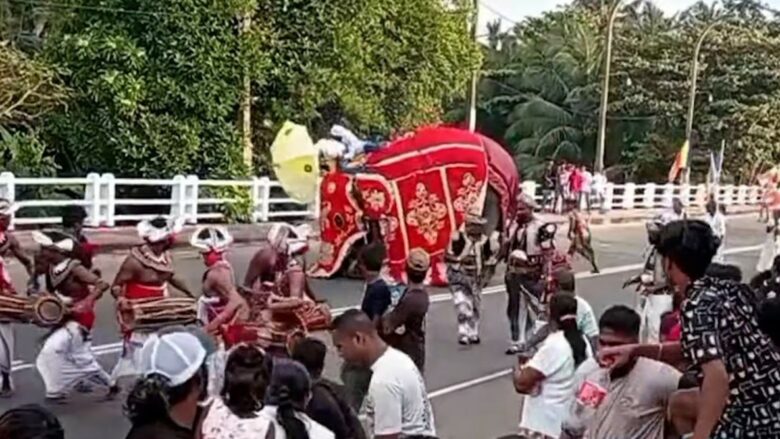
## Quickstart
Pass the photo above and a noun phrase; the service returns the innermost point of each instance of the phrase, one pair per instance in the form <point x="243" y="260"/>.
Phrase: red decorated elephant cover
<point x="420" y="186"/>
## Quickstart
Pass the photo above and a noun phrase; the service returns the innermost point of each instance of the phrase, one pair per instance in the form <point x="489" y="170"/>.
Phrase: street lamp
<point x="599" y="166"/>
<point x="472" y="116"/>
<point x="694" y="81"/>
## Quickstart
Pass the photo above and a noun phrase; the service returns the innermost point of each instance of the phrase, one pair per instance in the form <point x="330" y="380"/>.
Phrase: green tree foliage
<point x="157" y="84"/>
<point x="556" y="116"/>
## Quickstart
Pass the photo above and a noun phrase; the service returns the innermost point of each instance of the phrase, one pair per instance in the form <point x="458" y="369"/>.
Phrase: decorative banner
<point x="680" y="162"/>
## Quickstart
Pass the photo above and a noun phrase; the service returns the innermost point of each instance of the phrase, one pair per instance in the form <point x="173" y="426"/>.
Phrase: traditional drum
<point x="314" y="318"/>
<point x="45" y="310"/>
<point x="154" y="313"/>
<point x="266" y="335"/>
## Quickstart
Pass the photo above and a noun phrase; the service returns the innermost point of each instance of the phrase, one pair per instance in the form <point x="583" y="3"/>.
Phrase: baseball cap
<point x="418" y="260"/>
<point x="177" y="356"/>
<point x="205" y="339"/>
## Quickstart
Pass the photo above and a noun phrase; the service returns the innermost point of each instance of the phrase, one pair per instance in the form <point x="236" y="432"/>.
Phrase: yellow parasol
<point x="296" y="162"/>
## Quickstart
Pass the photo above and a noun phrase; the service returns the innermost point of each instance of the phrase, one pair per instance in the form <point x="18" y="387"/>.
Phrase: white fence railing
<point x="194" y="200"/>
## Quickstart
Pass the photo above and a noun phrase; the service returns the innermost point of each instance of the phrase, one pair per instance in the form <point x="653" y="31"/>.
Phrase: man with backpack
<point x="403" y="327"/>
<point x="328" y="404"/>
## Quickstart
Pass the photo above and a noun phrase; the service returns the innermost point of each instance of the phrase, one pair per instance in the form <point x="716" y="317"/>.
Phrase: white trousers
<point x="129" y="362"/>
<point x="67" y="359"/>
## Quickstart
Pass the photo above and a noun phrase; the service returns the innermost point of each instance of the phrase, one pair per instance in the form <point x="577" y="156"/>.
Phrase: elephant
<point x="414" y="193"/>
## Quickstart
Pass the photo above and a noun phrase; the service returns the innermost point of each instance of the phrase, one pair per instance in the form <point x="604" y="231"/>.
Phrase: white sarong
<point x="6" y="347"/>
<point x="768" y="252"/>
<point x="129" y="363"/>
<point x="67" y="359"/>
<point x="651" y="308"/>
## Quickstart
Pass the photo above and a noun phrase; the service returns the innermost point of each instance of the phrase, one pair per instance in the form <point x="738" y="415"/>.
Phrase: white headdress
<point x="7" y="207"/>
<point x="153" y="231"/>
<point x="215" y="238"/>
<point x="331" y="149"/>
<point x="295" y="238"/>
<point x="65" y="244"/>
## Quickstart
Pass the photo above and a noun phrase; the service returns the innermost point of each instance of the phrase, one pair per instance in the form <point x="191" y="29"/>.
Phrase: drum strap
<point x="58" y="273"/>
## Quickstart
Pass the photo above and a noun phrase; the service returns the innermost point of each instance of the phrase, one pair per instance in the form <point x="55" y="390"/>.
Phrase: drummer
<point x="281" y="296"/>
<point x="269" y="260"/>
<point x="293" y="287"/>
<point x="220" y="304"/>
<point x="145" y="273"/>
<point x="66" y="358"/>
<point x="9" y="245"/>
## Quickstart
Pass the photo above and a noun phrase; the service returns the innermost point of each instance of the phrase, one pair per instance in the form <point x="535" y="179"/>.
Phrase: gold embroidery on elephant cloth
<point x="375" y="199"/>
<point x="468" y="194"/>
<point x="426" y="213"/>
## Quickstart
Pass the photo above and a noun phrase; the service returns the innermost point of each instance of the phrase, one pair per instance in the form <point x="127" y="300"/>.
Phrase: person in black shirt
<point x="164" y="403"/>
<point x="328" y="404"/>
<point x="30" y="421"/>
<point x="376" y="301"/>
<point x="377" y="295"/>
<point x="548" y="186"/>
<point x="735" y="363"/>
<point x="404" y="326"/>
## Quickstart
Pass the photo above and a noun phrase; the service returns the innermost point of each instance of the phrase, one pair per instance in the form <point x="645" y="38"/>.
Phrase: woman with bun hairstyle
<point x="285" y="407"/>
<point x="547" y="378"/>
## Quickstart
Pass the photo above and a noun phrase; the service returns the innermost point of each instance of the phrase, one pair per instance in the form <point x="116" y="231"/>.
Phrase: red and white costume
<point x="6" y="288"/>
<point x="129" y="362"/>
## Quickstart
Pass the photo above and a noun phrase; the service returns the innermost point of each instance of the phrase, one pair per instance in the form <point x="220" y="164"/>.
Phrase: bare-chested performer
<point x="9" y="246"/>
<point x="66" y="358"/>
<point x="220" y="304"/>
<point x="279" y="293"/>
<point x="145" y="273"/>
<point x="580" y="237"/>
<point x="84" y="251"/>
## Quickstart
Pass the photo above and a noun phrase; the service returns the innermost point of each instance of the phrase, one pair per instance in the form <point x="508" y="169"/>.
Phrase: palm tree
<point x="556" y="83"/>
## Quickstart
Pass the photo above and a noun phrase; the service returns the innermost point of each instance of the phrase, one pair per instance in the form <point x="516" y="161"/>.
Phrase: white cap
<point x="177" y="356"/>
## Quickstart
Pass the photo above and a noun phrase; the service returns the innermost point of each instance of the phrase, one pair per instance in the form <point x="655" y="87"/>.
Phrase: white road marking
<point x="470" y="383"/>
<point x="112" y="348"/>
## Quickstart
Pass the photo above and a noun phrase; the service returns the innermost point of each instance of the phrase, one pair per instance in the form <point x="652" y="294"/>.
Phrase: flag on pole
<point x="680" y="162"/>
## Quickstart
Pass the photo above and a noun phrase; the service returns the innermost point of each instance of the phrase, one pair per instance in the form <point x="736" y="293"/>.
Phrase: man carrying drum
<point x="8" y="246"/>
<point x="145" y="274"/>
<point x="66" y="358"/>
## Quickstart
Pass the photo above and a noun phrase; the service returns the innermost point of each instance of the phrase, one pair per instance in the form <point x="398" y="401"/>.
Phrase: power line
<point x="497" y="13"/>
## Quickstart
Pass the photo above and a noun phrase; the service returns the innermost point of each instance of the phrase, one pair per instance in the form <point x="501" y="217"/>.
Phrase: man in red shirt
<point x="576" y="180"/>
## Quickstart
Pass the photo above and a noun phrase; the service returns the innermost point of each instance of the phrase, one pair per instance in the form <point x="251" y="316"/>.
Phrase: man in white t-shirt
<point x="397" y="405"/>
<point x="585" y="189"/>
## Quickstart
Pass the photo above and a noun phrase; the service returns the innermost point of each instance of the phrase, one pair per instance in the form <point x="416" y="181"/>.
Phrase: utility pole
<point x="602" y="139"/>
<point x="245" y="105"/>
<point x="692" y="96"/>
<point x="475" y="74"/>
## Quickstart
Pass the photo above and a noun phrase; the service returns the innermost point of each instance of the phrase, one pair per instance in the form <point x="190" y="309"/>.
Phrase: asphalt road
<point x="472" y="395"/>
